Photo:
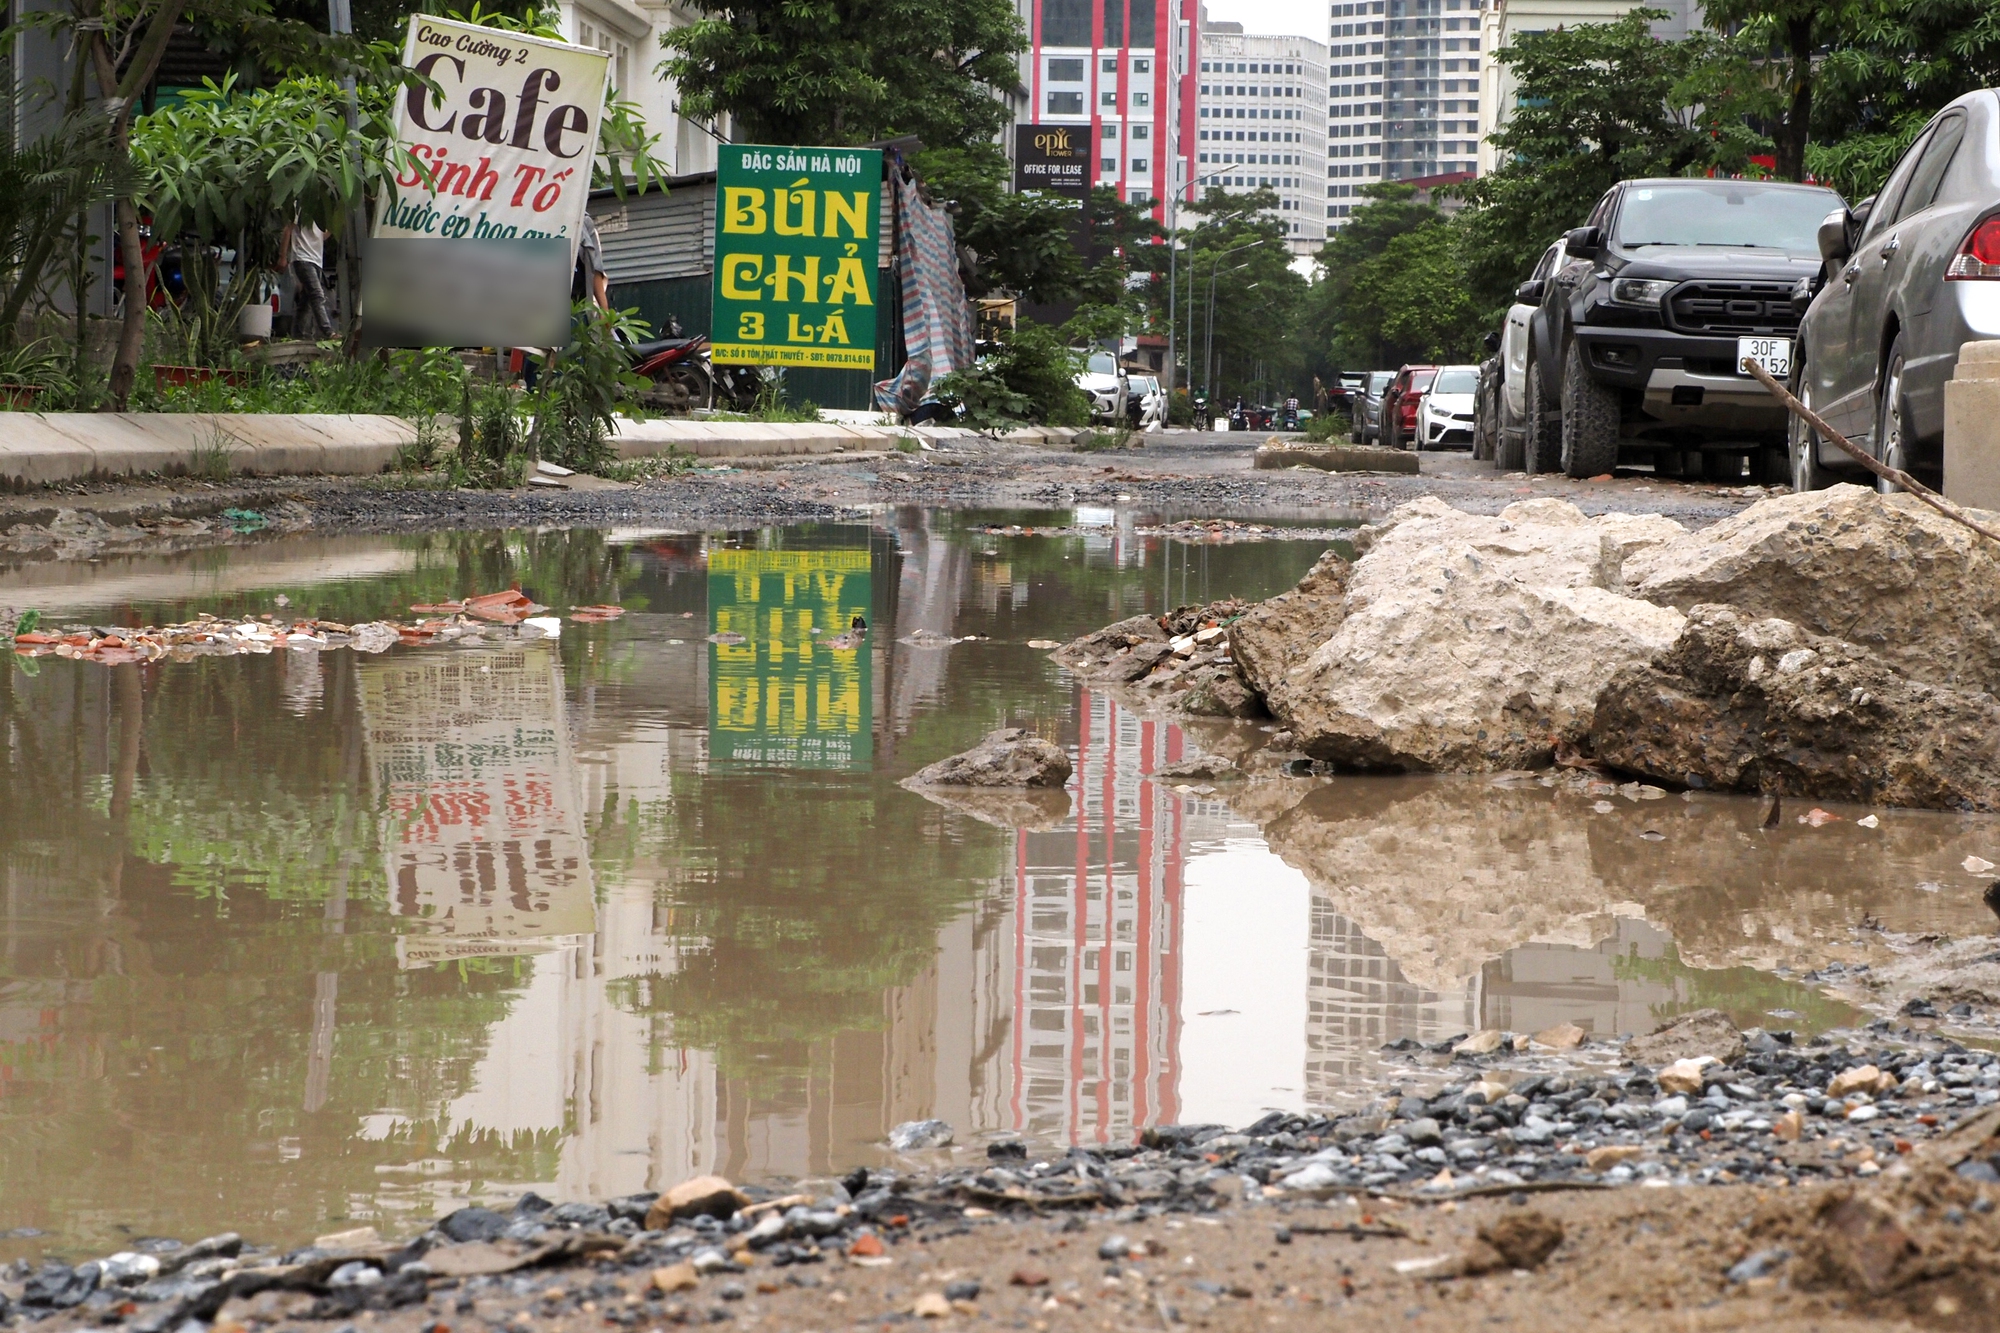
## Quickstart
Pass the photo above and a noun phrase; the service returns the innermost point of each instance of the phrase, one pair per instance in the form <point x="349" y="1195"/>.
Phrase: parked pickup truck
<point x="1637" y="341"/>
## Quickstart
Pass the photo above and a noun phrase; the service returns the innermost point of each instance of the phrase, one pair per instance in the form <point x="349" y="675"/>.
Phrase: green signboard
<point x="797" y="239"/>
<point x="788" y="676"/>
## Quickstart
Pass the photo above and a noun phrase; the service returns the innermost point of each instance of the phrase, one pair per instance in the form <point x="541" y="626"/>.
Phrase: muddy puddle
<point x="292" y="939"/>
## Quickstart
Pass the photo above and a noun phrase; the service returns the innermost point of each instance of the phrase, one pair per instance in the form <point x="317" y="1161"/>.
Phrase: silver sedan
<point x="1910" y="275"/>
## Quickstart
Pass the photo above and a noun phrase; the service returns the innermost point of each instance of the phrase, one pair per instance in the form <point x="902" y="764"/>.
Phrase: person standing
<point x="304" y="250"/>
<point x="590" y="282"/>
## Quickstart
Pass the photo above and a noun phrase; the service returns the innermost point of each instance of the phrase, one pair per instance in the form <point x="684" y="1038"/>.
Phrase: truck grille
<point x="1733" y="307"/>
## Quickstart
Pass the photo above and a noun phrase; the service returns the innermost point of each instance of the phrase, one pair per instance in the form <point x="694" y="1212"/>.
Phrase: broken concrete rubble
<point x="1009" y="757"/>
<point x="1276" y="637"/>
<point x="1474" y="643"/>
<point x="1884" y="572"/>
<point x="1760" y="705"/>
<point x="1453" y="666"/>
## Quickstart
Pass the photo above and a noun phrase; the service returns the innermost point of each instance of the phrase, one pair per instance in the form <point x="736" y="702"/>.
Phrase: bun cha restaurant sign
<point x="797" y="239"/>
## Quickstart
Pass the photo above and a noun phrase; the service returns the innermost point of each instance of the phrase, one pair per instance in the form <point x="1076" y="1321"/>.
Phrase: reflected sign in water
<point x="789" y="683"/>
<point x="481" y="837"/>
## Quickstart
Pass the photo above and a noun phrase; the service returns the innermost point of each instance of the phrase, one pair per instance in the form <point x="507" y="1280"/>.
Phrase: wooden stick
<point x="1848" y="447"/>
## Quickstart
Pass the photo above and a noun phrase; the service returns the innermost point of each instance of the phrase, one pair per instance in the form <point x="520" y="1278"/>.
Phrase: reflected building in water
<point x="1096" y="919"/>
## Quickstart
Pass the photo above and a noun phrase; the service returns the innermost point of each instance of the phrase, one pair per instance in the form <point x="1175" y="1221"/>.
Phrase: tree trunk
<point x="1791" y="135"/>
<point x="132" y="337"/>
<point x="120" y="93"/>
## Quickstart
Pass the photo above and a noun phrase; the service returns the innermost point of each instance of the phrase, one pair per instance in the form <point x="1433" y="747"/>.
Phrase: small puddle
<point x="295" y="940"/>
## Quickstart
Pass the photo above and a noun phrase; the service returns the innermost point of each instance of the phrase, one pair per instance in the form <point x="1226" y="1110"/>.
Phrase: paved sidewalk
<point x="37" y="448"/>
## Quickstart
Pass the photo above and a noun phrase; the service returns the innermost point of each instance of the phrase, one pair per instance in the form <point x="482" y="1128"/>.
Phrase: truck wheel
<point x="1538" y="437"/>
<point x="1507" y="446"/>
<point x="1589" y="420"/>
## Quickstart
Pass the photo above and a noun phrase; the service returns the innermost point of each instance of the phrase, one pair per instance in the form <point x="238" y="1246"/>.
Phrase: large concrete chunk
<point x="1448" y="661"/>
<point x="1885" y="572"/>
<point x="1746" y="704"/>
<point x="1547" y="542"/>
<point x="1276" y="637"/>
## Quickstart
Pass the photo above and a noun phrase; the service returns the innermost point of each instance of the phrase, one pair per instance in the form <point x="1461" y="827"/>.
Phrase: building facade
<point x="629" y="31"/>
<point x="1430" y="81"/>
<point x="1261" y="123"/>
<point x="1121" y="69"/>
<point x="1504" y="20"/>
<point x="1356" y="38"/>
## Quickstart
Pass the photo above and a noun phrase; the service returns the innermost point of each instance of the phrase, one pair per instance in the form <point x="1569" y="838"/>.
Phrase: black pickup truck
<point x="1636" y="347"/>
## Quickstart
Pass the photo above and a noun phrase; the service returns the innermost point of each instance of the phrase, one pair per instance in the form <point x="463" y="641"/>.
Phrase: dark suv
<point x="1636" y="345"/>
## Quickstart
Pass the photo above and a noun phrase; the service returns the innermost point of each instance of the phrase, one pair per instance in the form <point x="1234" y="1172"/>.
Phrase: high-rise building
<point x="1121" y="68"/>
<point x="1354" y="104"/>
<point x="1430" y="84"/>
<point x="1261" y="124"/>
<point x="1504" y="20"/>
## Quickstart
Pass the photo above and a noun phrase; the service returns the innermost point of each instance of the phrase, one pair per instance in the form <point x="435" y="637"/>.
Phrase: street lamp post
<point x="1214" y="269"/>
<point x="1208" y="344"/>
<point x="1173" y="272"/>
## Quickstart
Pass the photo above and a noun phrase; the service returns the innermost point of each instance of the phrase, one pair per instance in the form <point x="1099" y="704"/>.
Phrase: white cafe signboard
<point x="506" y="141"/>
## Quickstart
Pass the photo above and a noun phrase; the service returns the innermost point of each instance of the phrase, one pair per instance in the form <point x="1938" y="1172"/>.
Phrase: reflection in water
<point x="297" y="940"/>
<point x="480" y="832"/>
<point x="789" y="682"/>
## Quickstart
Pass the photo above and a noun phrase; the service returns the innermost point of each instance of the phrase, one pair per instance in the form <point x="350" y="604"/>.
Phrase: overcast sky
<point x="1297" y="18"/>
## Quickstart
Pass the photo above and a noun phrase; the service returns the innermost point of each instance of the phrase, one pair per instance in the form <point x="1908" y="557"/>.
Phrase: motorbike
<point x="938" y="409"/>
<point x="1201" y="421"/>
<point x="684" y="378"/>
<point x="1288" y="419"/>
<point x="1239" y="416"/>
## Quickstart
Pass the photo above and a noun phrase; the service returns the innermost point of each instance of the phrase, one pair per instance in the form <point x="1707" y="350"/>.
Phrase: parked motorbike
<point x="684" y="378"/>
<point x="938" y="409"/>
<point x="1239" y="416"/>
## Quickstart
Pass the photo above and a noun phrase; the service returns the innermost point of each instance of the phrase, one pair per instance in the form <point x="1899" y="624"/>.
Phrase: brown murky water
<point x="295" y="940"/>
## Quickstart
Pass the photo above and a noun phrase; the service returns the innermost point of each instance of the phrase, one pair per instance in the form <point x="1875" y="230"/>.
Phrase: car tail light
<point x="1979" y="256"/>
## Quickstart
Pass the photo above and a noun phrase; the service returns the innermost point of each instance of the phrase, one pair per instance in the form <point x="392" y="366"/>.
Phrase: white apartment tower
<point x="1354" y="105"/>
<point x="1261" y="124"/>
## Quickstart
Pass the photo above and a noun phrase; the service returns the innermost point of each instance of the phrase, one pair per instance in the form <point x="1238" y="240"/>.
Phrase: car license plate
<point x="1774" y="354"/>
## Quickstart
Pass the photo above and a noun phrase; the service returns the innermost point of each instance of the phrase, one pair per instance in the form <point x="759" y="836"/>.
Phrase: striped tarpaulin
<point x="937" y="318"/>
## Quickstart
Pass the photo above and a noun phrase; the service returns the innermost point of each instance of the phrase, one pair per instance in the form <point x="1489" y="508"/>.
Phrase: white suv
<point x="1444" y="418"/>
<point x="1106" y="387"/>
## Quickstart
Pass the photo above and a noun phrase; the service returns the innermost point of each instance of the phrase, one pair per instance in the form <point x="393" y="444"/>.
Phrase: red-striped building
<point x="1124" y="68"/>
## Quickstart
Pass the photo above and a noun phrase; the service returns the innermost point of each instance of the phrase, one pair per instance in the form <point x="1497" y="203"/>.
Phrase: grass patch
<point x="771" y="405"/>
<point x="1105" y="441"/>
<point x="908" y="444"/>
<point x="672" y="463"/>
<point x="1329" y="428"/>
<point x="210" y="459"/>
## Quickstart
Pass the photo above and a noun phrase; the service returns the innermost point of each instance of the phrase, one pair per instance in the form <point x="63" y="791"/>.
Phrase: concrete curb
<point x="38" y="448"/>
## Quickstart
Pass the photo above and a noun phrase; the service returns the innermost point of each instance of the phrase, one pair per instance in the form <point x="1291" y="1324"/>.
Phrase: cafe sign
<point x="797" y="240"/>
<point x="498" y="143"/>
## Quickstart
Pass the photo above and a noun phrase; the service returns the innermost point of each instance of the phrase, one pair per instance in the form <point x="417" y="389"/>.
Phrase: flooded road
<point x="291" y="940"/>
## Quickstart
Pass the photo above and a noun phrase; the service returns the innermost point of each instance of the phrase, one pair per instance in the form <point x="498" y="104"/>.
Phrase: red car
<point x="1400" y="401"/>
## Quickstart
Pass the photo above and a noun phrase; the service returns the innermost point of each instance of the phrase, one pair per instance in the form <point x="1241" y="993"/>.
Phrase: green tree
<point x="1793" y="33"/>
<point x="828" y="72"/>
<point x="1343" y="313"/>
<point x="1883" y="76"/>
<point x="1238" y="253"/>
<point x="1024" y="243"/>
<point x="1599" y="103"/>
<point x="1417" y="288"/>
